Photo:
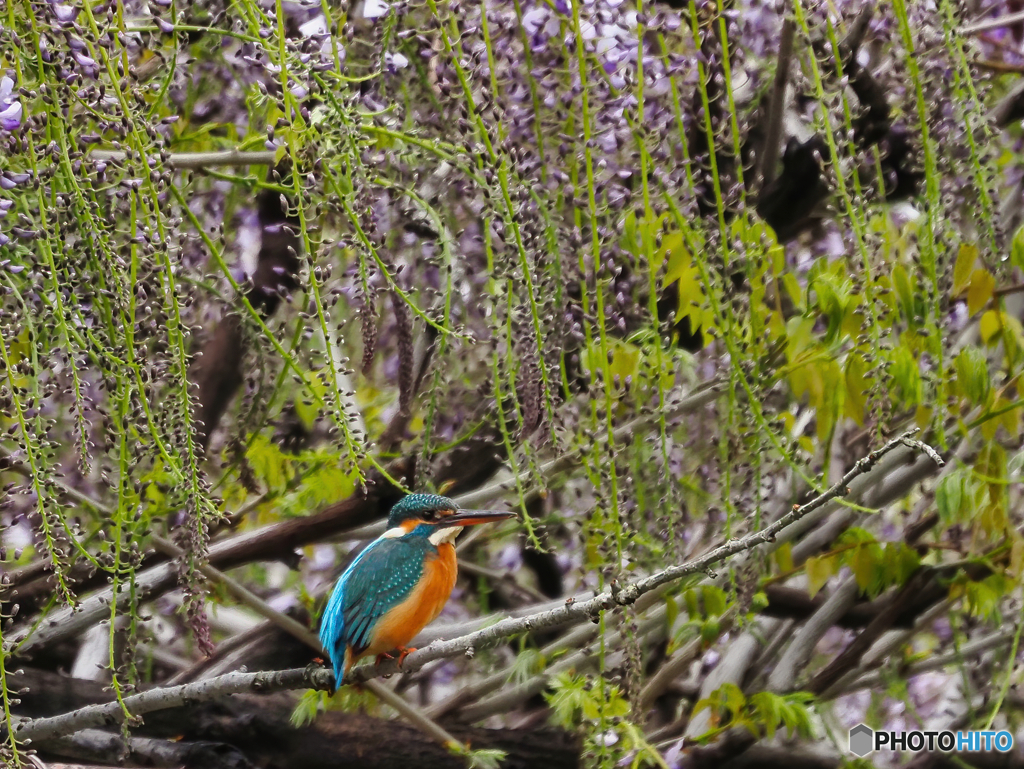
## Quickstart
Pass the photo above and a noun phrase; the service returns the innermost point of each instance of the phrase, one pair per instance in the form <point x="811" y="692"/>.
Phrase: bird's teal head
<point x="436" y="517"/>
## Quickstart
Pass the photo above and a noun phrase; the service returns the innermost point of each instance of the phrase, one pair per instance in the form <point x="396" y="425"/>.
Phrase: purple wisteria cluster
<point x="11" y="110"/>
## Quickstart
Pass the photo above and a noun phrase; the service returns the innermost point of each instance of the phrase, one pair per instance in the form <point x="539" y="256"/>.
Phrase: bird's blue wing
<point x="381" y="576"/>
<point x="379" y="581"/>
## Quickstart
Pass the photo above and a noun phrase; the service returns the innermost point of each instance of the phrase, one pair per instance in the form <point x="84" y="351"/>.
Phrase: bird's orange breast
<point x="401" y="624"/>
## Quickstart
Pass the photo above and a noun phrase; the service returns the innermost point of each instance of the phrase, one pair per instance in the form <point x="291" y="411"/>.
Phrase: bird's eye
<point x="430" y="515"/>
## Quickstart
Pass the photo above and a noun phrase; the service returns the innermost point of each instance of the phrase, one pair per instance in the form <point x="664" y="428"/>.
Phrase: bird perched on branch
<point x="399" y="583"/>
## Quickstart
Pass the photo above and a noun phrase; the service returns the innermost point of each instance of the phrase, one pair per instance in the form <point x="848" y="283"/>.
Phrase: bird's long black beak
<point x="474" y="517"/>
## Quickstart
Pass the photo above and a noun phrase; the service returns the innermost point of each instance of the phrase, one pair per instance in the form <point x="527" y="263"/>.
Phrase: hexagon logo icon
<point x="862" y="739"/>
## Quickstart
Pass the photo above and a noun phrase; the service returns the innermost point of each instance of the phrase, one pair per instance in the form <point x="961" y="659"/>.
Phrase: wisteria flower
<point x="64" y="13"/>
<point x="395" y="62"/>
<point x="374" y="9"/>
<point x="9" y="180"/>
<point x="11" y="110"/>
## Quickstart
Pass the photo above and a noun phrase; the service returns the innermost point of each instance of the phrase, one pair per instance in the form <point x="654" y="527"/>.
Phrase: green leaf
<point x="833" y="293"/>
<point x="1017" y="557"/>
<point x="857" y="386"/>
<point x="1017" y="248"/>
<point x="855" y="535"/>
<point x="759" y="601"/>
<point x="907" y="376"/>
<point x="900" y="561"/>
<point x="989" y="325"/>
<point x="714" y="600"/>
<point x="992" y="519"/>
<point x="307" y="707"/>
<point x="731" y="697"/>
<point x="700" y="705"/>
<point x="949" y="498"/>
<point x="617" y="705"/>
<point x="819" y="570"/>
<point x="980" y="291"/>
<point x="796" y="713"/>
<point x="972" y="375"/>
<point x="671" y="613"/>
<point x="904" y="291"/>
<point x="634" y="740"/>
<point x="832" y="396"/>
<point x="269" y="463"/>
<point x="991" y="464"/>
<point x="983" y="598"/>
<point x="527" y="664"/>
<point x="784" y="557"/>
<point x="965" y="259"/>
<point x="865" y="563"/>
<point x="709" y="631"/>
<point x="680" y="261"/>
<point x="481" y="758"/>
<point x="566" y="698"/>
<point x="768" y="708"/>
<point x="692" y="604"/>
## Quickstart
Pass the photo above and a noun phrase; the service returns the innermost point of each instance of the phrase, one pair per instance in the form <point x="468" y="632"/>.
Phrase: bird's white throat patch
<point x="439" y="537"/>
<point x="445" y="535"/>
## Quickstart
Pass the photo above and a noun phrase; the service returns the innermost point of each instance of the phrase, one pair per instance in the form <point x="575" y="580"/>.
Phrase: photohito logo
<point x="864" y="739"/>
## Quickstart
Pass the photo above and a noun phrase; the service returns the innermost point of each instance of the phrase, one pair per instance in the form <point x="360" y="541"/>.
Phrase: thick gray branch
<point x="111" y="713"/>
<point x="783" y="677"/>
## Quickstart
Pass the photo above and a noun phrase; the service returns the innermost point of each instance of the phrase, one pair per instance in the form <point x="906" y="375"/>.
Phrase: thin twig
<point x="1016" y="288"/>
<point x="1000" y="66"/>
<point x="876" y="678"/>
<point x="509" y="698"/>
<point x="651" y="632"/>
<point x="987" y="24"/>
<point x="197" y="160"/>
<point x="111" y="713"/>
<point x="777" y="107"/>
<point x="502" y="578"/>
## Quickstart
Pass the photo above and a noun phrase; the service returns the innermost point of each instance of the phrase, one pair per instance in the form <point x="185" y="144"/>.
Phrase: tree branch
<point x="198" y="160"/>
<point x="111" y="714"/>
<point x="572" y="610"/>
<point x="989" y="24"/>
<point x="783" y="677"/>
<point x="773" y="136"/>
<point x="109" y="748"/>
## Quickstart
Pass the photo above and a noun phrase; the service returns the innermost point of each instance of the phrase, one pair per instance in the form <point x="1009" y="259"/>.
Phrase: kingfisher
<point x="399" y="583"/>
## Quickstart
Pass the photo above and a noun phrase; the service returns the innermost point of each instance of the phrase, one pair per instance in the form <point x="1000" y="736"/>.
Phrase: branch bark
<point x="256" y="729"/>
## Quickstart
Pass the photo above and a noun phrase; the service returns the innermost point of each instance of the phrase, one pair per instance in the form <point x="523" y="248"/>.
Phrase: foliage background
<point x="588" y="260"/>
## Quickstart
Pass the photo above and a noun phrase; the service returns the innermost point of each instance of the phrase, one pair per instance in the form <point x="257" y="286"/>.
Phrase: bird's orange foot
<point x="402" y="654"/>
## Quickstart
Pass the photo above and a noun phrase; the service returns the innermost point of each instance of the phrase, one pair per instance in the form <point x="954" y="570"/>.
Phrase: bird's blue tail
<point x="332" y="630"/>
